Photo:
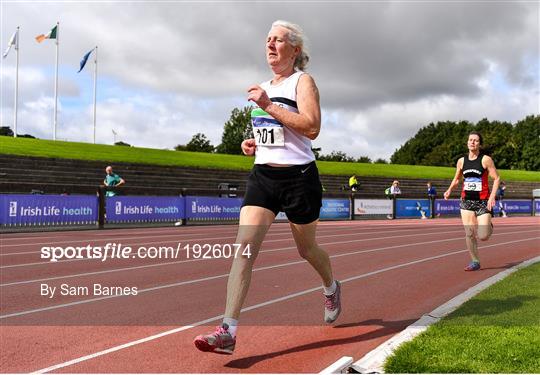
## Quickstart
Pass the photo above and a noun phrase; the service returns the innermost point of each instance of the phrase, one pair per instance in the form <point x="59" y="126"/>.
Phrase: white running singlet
<point x="276" y="143"/>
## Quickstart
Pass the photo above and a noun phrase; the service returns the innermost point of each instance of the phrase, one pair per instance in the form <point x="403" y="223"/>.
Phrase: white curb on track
<point x="373" y="362"/>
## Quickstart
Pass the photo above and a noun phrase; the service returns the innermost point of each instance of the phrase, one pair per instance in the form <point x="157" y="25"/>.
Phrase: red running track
<point x="393" y="272"/>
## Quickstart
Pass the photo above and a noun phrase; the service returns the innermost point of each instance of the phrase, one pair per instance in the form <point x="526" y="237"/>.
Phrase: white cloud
<point x="169" y="70"/>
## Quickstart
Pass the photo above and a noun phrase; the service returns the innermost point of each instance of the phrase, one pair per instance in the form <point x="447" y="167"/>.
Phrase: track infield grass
<point x="109" y="153"/>
<point x="498" y="331"/>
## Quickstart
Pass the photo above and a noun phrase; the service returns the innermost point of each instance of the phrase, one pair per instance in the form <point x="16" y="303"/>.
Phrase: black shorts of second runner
<point x="295" y="190"/>
<point x="478" y="206"/>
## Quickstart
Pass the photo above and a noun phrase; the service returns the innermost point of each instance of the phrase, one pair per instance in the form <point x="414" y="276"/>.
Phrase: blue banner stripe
<point x="412" y="207"/>
<point x="264" y="121"/>
<point x="28" y="209"/>
<point x="144" y="209"/>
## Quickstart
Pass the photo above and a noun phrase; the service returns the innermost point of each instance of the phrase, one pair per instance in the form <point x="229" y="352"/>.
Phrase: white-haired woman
<point x="284" y="177"/>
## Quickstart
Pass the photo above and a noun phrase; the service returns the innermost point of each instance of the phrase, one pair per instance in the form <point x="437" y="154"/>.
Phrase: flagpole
<point x="56" y="81"/>
<point x="95" y="90"/>
<point x="16" y="83"/>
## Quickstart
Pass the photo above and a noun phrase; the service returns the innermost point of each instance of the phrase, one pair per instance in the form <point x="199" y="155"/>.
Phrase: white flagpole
<point x="56" y="82"/>
<point x="16" y="83"/>
<point x="95" y="90"/>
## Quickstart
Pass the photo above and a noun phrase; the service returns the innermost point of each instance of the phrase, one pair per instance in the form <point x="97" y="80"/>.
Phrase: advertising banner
<point x="28" y="209"/>
<point x="372" y="207"/>
<point x="208" y="208"/>
<point x="514" y="207"/>
<point x="335" y="209"/>
<point x="446" y="207"/>
<point x="412" y="208"/>
<point x="122" y="209"/>
<point x="537" y="207"/>
<point x="451" y="207"/>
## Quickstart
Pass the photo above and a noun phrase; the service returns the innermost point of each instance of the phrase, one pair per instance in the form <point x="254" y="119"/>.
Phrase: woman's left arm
<point x="487" y="162"/>
<point x="308" y="119"/>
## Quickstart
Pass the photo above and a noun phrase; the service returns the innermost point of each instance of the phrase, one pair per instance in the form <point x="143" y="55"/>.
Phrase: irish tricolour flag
<point x="50" y="35"/>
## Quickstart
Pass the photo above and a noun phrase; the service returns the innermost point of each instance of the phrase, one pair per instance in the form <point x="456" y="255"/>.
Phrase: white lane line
<point x="232" y="231"/>
<point x="117" y="239"/>
<point x="194" y="229"/>
<point x="253" y="307"/>
<point x="373" y="362"/>
<point x="288" y="238"/>
<point x="113" y="232"/>
<point x="179" y="236"/>
<point x="209" y="278"/>
<point x="268" y="238"/>
<point x="184" y="261"/>
<point x="364" y="224"/>
<point x="197" y="260"/>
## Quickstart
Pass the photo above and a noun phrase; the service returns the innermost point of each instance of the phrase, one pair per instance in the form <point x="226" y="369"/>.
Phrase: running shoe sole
<point x="204" y="346"/>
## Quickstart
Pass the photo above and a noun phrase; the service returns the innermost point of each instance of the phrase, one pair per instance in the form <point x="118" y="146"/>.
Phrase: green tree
<point x="199" y="143"/>
<point x="337" y="156"/>
<point x="364" y="159"/>
<point x="380" y="161"/>
<point x="235" y="131"/>
<point x="120" y="143"/>
<point x="316" y="152"/>
<point x="442" y="144"/>
<point x="6" y="130"/>
<point x="526" y="136"/>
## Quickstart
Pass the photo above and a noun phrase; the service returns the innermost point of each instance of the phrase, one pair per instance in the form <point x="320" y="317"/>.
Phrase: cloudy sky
<point x="170" y="69"/>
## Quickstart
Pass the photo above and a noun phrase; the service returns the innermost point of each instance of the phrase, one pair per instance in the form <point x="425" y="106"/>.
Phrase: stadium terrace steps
<point x="22" y="174"/>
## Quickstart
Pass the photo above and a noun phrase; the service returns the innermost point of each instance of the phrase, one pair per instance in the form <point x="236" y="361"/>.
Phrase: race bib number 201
<point x="269" y="136"/>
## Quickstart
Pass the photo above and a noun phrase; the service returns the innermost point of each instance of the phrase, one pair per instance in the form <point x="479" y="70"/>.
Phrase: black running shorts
<point x="295" y="190"/>
<point x="478" y="206"/>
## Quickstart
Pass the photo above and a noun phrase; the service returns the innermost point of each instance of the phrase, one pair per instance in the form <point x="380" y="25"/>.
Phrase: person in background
<point x="353" y="183"/>
<point x="112" y="179"/>
<point x="431" y="191"/>
<point x="432" y="194"/>
<point x="395" y="189"/>
<point x="477" y="200"/>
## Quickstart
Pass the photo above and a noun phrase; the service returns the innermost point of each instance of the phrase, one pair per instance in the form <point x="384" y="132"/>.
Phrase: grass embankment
<point x="498" y="331"/>
<point x="106" y="153"/>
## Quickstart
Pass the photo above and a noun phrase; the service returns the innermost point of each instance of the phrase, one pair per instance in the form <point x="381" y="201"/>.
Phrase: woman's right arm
<point x="455" y="181"/>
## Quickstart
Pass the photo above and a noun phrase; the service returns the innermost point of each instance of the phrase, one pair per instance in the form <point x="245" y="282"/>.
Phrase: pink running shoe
<point x="332" y="305"/>
<point x="473" y="266"/>
<point x="221" y="341"/>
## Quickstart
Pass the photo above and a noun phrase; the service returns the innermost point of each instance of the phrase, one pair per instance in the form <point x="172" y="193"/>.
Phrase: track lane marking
<point x="179" y="236"/>
<point x="197" y="260"/>
<point x="253" y="307"/>
<point x="289" y="238"/>
<point x="209" y="278"/>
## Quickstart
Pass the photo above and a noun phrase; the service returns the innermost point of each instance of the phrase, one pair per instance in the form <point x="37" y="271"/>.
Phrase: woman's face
<point x="280" y="54"/>
<point x="473" y="143"/>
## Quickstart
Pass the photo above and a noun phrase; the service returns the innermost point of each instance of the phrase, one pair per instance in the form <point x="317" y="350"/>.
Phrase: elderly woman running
<point x="284" y="177"/>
